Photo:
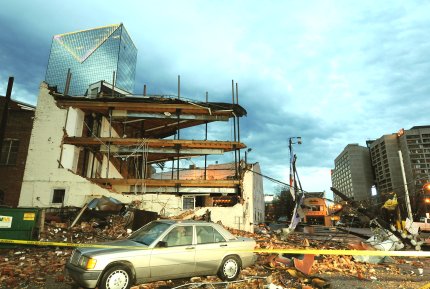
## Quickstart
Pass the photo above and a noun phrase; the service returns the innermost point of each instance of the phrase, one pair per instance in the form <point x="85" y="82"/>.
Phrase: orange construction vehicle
<point x="316" y="211"/>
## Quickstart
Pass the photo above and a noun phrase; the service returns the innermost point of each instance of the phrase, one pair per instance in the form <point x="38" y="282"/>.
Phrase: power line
<point x="274" y="180"/>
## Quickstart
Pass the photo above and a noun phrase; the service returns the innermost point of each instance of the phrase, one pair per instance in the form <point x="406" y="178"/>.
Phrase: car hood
<point x="123" y="243"/>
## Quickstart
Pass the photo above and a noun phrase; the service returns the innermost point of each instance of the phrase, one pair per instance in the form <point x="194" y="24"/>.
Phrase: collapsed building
<point x="110" y="143"/>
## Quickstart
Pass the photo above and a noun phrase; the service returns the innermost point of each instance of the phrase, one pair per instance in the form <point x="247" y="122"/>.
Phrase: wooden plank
<point x="161" y="150"/>
<point x="155" y="143"/>
<point x="168" y="183"/>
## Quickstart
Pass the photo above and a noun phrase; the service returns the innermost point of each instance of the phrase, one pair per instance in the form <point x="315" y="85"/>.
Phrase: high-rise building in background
<point x="414" y="145"/>
<point x="386" y="164"/>
<point x="356" y="171"/>
<point x="352" y="174"/>
<point x="92" y="55"/>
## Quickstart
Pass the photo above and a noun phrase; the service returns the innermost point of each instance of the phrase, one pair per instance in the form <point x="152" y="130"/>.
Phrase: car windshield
<point x="148" y="233"/>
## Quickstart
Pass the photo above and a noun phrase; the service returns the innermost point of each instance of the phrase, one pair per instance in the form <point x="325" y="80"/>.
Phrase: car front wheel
<point x="116" y="277"/>
<point x="230" y="268"/>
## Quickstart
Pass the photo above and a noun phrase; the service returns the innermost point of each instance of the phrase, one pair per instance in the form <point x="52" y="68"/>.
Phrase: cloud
<point x="332" y="72"/>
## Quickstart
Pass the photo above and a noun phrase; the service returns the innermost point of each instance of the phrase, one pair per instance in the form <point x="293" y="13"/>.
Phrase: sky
<point x="331" y="72"/>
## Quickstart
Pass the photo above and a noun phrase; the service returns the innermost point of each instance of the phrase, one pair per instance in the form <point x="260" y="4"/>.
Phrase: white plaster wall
<point x="258" y="194"/>
<point x="104" y="131"/>
<point x="42" y="174"/>
<point x="112" y="172"/>
<point x="248" y="190"/>
<point x="251" y="212"/>
<point x="75" y="122"/>
<point x="165" y="205"/>
<point x="75" y="119"/>
<point x="229" y="216"/>
<point x="69" y="159"/>
<point x="254" y="195"/>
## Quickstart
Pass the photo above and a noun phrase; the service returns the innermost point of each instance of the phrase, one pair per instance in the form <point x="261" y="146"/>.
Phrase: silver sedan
<point x="161" y="250"/>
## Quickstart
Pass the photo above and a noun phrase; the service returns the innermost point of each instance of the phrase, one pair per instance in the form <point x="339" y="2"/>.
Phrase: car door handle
<point x="223" y="245"/>
<point x="189" y="248"/>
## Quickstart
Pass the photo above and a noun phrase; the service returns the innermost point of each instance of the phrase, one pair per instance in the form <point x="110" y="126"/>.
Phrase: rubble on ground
<point x="95" y="230"/>
<point x="20" y="267"/>
<point x="34" y="265"/>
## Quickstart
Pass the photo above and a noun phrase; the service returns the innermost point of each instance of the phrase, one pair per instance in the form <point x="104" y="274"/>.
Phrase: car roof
<point x="194" y="222"/>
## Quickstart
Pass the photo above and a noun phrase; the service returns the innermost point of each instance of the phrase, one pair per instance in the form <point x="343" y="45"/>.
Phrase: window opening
<point x="188" y="203"/>
<point x="58" y="196"/>
<point x="9" y="152"/>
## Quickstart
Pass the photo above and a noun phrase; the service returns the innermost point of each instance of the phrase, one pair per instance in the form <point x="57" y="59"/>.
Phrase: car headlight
<point x="87" y="262"/>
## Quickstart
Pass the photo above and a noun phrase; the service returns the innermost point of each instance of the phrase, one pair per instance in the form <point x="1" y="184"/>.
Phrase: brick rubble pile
<point x="26" y="265"/>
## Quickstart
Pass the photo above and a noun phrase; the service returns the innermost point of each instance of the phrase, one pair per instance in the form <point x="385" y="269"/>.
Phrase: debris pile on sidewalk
<point x="95" y="230"/>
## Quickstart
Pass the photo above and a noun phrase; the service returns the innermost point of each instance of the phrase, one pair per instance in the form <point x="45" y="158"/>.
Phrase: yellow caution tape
<point x="65" y="244"/>
<point x="427" y="286"/>
<point x="279" y="251"/>
<point x="346" y="252"/>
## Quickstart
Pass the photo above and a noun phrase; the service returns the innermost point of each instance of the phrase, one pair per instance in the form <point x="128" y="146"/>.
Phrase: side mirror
<point x="161" y="244"/>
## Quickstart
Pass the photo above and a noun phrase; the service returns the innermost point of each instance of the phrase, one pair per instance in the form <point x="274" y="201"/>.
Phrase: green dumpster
<point x="18" y="223"/>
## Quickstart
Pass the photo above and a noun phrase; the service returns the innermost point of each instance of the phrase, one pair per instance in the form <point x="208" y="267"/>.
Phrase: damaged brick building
<point x="112" y="143"/>
<point x="17" y="120"/>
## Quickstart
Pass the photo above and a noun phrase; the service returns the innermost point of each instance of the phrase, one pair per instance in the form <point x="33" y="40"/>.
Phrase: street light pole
<point x="292" y="166"/>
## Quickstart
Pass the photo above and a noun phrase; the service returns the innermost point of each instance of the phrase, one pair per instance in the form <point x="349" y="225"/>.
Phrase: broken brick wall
<point x="43" y="174"/>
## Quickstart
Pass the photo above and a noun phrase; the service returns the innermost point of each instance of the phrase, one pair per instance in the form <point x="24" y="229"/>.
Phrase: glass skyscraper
<point x="92" y="55"/>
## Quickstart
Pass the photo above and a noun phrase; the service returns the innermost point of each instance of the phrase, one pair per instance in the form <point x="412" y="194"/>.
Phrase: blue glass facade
<point x="92" y="55"/>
